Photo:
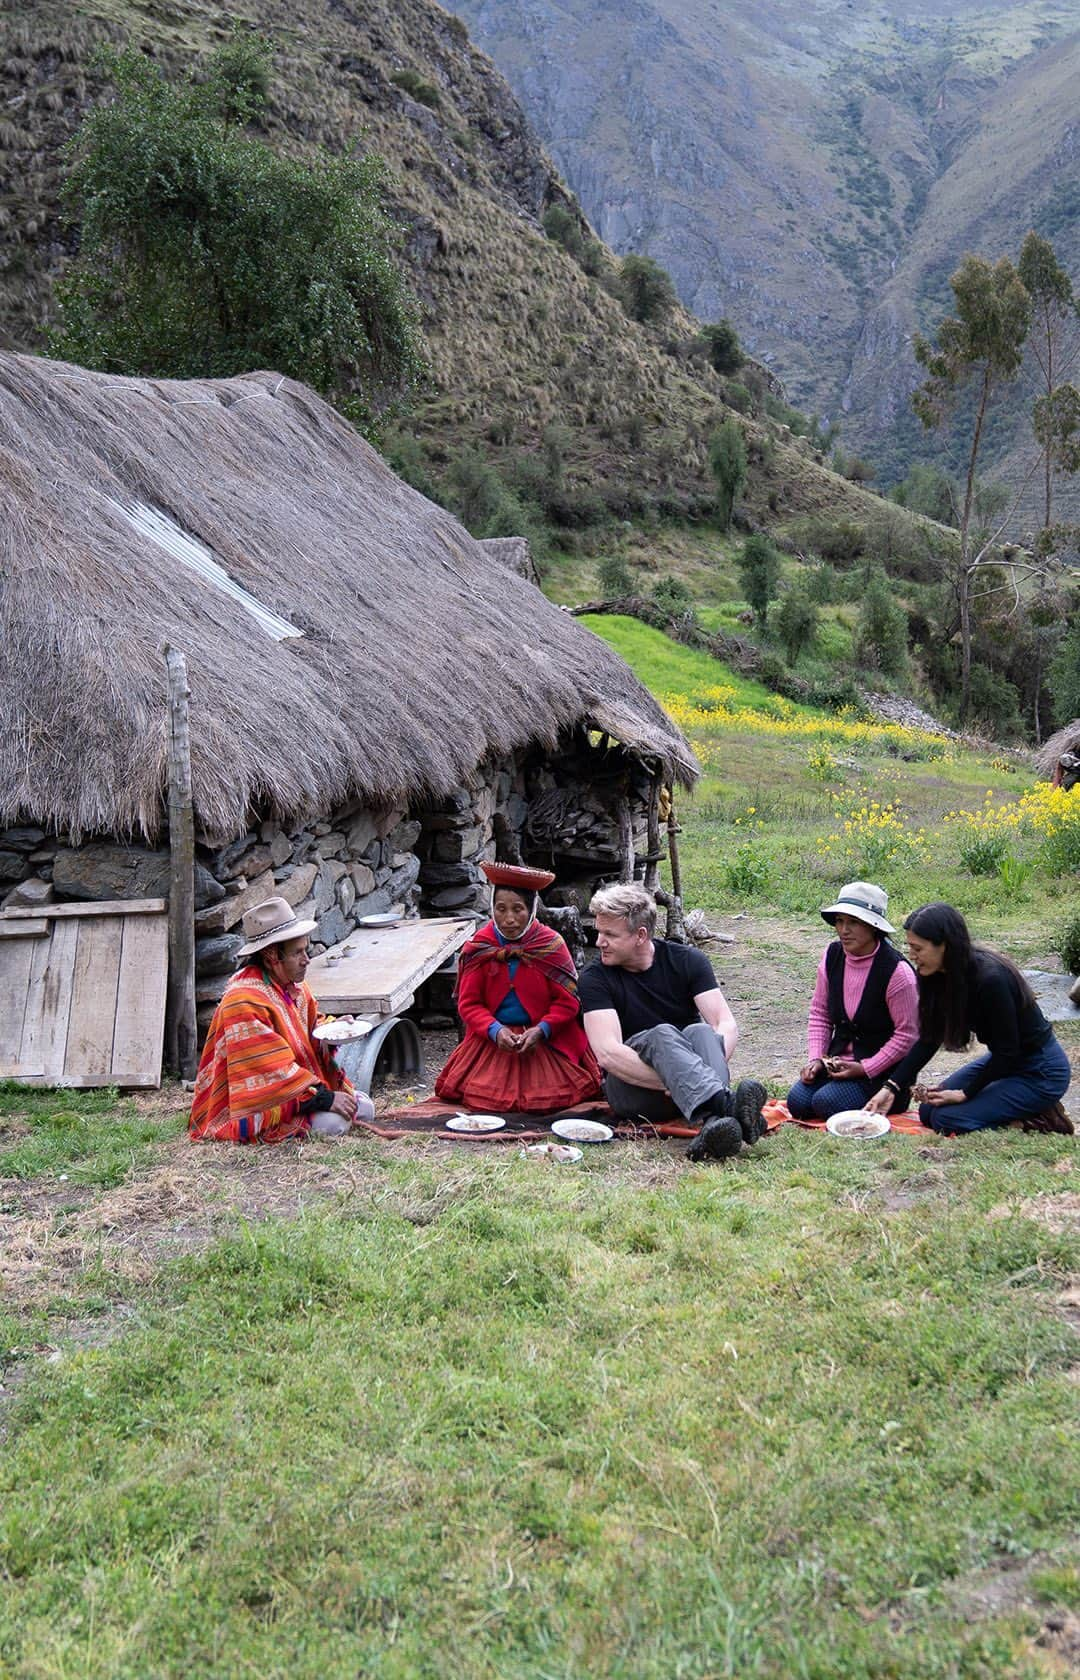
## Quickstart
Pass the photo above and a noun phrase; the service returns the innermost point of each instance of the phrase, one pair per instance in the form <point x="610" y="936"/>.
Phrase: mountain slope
<point x="519" y="337"/>
<point x="814" y="170"/>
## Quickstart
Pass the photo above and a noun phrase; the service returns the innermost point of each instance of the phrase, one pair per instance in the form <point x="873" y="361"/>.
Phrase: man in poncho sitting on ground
<point x="263" y="1077"/>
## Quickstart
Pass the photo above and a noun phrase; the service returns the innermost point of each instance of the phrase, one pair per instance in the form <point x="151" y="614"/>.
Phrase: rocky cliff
<point x="813" y="169"/>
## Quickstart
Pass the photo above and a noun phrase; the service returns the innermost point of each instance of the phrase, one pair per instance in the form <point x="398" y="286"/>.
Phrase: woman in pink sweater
<point x="864" y="1014"/>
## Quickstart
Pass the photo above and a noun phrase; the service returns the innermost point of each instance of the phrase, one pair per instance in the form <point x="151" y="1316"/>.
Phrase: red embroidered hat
<point x="517" y="875"/>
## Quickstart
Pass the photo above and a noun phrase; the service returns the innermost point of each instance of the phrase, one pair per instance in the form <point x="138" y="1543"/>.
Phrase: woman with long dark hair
<point x="966" y="991"/>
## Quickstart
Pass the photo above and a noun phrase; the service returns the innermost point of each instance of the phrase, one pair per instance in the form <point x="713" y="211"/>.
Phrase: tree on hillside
<point x="795" y="622"/>
<point x="727" y="458"/>
<point x="881" y="633"/>
<point x="1055" y="346"/>
<point x="927" y="490"/>
<point x="204" y="253"/>
<point x="645" y="288"/>
<point x="721" y="344"/>
<point x="980" y="347"/>
<point x="1065" y="673"/>
<point x="759" y="572"/>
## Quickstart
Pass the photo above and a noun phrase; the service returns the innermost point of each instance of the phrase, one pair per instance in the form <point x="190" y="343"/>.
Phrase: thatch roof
<point x="1066" y="740"/>
<point x="419" y="651"/>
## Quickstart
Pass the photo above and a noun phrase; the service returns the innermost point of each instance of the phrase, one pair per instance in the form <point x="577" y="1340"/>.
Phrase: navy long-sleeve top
<point x="998" y="1016"/>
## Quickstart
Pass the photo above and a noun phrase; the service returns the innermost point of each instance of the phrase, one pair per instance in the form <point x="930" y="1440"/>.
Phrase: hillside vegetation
<point x="814" y="171"/>
<point x="521" y="341"/>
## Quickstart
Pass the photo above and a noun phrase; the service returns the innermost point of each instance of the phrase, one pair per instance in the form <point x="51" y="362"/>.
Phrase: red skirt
<point x="493" y="1081"/>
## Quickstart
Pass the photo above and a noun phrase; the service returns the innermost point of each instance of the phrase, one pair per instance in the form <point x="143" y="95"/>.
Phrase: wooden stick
<point x="652" y="861"/>
<point x="181" y="1039"/>
<point x="675" y="928"/>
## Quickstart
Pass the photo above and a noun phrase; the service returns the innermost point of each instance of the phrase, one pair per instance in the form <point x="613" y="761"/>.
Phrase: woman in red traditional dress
<point x="524" y="1050"/>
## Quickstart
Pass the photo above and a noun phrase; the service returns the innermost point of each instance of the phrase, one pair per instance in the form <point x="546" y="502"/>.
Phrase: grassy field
<point x="413" y="1410"/>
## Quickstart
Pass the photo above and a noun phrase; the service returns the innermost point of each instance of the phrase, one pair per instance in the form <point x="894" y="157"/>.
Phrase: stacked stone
<point x="465" y="828"/>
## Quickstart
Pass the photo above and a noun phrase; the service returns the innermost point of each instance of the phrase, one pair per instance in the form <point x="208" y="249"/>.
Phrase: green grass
<point x="496" y="1423"/>
<point x="91" y="1137"/>
<point x="759" y="792"/>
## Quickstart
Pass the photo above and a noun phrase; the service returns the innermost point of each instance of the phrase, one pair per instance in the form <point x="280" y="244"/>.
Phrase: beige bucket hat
<point x="269" y="923"/>
<point x="860" y="899"/>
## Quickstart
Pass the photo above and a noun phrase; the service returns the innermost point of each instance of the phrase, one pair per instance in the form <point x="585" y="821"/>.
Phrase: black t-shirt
<point x="664" y="992"/>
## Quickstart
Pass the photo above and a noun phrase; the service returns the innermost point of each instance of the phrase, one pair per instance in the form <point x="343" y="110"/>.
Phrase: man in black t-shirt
<point x="661" y="1029"/>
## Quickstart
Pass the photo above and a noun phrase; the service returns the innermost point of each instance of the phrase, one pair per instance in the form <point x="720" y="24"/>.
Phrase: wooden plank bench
<point x="374" y="973"/>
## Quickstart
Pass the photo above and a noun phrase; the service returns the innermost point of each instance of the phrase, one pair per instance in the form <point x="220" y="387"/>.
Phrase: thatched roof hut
<point x="1066" y="740"/>
<point x="345" y="637"/>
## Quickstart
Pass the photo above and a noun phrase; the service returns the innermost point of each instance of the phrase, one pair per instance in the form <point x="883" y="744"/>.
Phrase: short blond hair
<point x="628" y="900"/>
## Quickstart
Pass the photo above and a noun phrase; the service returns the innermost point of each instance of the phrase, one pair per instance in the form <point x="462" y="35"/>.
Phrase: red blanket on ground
<point x="429" y="1118"/>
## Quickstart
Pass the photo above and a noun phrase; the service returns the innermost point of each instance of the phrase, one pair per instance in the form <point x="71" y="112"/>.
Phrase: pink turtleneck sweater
<point x="901" y="997"/>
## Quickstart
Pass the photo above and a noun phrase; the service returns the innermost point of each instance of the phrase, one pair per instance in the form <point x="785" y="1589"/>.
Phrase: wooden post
<point x="626" y="841"/>
<point x="652" y="861"/>
<point x="675" y="928"/>
<point x="181" y="1039"/>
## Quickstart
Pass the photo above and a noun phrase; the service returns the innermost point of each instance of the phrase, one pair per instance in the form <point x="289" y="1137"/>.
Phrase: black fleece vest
<point x="872" y="1025"/>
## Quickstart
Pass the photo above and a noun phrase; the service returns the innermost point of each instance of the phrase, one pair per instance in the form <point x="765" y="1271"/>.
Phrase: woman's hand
<point x="528" y="1038"/>
<point x="881" y="1102"/>
<point x="942" y="1095"/>
<point x="344" y="1103"/>
<point x="813" y="1070"/>
<point x="839" y="1067"/>
<point x="506" y="1040"/>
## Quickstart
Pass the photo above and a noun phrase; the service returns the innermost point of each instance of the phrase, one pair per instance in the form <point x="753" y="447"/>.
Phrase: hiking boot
<point x="716" y="1140"/>
<point x="748" y="1101"/>
<point x="1052" y="1119"/>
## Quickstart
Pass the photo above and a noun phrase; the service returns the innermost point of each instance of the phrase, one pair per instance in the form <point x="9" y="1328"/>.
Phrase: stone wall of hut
<point x="580" y="810"/>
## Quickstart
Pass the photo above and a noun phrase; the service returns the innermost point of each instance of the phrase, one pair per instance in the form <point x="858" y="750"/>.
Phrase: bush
<point x="672" y="596"/>
<point x="721" y="345"/>
<point x="483" y="503"/>
<point x="795" y="623"/>
<point x="645" y="289"/>
<point x="982" y="853"/>
<point x="738" y="397"/>
<point x="840" y="540"/>
<point x="747" y="872"/>
<point x="1066" y="942"/>
<point x="995" y="702"/>
<point x="881" y="635"/>
<point x="412" y="83"/>
<point x="561" y="225"/>
<point x="615" y="577"/>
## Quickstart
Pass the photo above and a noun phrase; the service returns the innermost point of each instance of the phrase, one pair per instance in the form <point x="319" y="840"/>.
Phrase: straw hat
<point x="270" y="923"/>
<point x="865" y="902"/>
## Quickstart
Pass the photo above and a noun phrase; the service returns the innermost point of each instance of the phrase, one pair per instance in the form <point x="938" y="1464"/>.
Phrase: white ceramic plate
<point x="340" y="1032"/>
<point x="553" y="1151"/>
<point x="856" y="1123"/>
<point x="582" y="1131"/>
<point x="386" y="918"/>
<point x="475" y="1123"/>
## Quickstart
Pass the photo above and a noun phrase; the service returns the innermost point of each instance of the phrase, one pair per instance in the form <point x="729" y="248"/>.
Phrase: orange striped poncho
<point x="258" y="1064"/>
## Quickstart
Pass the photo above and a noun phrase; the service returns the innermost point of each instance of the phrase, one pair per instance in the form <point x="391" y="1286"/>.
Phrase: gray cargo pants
<point x="690" y="1061"/>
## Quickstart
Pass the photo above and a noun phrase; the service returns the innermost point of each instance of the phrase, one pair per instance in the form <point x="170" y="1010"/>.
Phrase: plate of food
<point x="552" y="1151"/>
<point x="475" y="1123"/>
<point x="341" y="1031"/>
<point x="857" y="1123"/>
<point x="385" y="918"/>
<point x="576" y="1130"/>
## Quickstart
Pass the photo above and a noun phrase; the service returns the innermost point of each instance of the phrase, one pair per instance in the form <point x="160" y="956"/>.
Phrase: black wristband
<point x="891" y="1085"/>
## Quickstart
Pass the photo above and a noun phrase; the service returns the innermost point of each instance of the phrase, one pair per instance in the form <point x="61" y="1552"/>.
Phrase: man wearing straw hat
<point x="661" y="1029"/>
<point x="263" y="1076"/>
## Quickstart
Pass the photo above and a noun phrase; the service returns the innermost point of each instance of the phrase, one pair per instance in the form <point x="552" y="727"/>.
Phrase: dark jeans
<point x="689" y="1060"/>
<point x="1043" y="1078"/>
<point x="824" y="1096"/>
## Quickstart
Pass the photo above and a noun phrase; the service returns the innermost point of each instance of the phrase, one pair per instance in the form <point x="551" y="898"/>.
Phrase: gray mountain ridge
<point x="814" y="171"/>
